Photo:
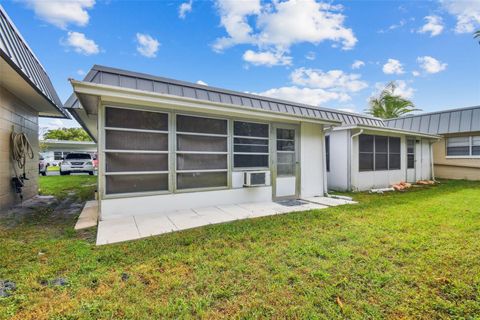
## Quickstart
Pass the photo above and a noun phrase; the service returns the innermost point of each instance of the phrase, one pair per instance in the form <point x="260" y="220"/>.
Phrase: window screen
<point x="202" y="152"/>
<point x="136" y="151"/>
<point x="379" y="153"/>
<point x="458" y="146"/>
<point x="136" y="119"/>
<point x="327" y="152"/>
<point x="476" y="146"/>
<point x="250" y="145"/>
<point x="286" y="160"/>
<point x="410" y="153"/>
<point x="136" y="183"/>
<point x="366" y="147"/>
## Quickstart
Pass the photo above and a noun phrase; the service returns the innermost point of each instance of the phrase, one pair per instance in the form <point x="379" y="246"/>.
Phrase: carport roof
<point x="440" y="122"/>
<point x="144" y="82"/>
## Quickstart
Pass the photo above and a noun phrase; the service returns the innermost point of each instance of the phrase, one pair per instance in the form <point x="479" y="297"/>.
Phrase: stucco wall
<point x="14" y="112"/>
<point x="455" y="168"/>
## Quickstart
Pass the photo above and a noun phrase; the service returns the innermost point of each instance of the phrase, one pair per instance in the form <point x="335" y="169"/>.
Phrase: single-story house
<point x="26" y="93"/>
<point x="457" y="154"/>
<point x="53" y="151"/>
<point x="363" y="157"/>
<point x="168" y="145"/>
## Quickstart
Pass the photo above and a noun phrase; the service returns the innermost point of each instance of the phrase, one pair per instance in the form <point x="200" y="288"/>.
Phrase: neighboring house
<point x="171" y="145"/>
<point x="364" y="157"/>
<point x="25" y="94"/>
<point x="53" y="151"/>
<point x="457" y="154"/>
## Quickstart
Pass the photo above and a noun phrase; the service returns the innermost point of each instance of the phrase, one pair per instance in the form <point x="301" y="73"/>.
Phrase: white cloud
<point x="310" y="55"/>
<point x="467" y="13"/>
<point x="202" y="83"/>
<point x="335" y="80"/>
<point x="315" y="87"/>
<point x="81" y="44"/>
<point x="351" y="110"/>
<point x="275" y="27"/>
<point x="434" y="26"/>
<point x="184" y="8"/>
<point x="430" y="64"/>
<point x="81" y="72"/>
<point x="267" y="58"/>
<point x="393" y="66"/>
<point x="357" y="64"/>
<point x="62" y="13"/>
<point x="415" y="73"/>
<point x="309" y="96"/>
<point x="147" y="46"/>
<point x="402" y="89"/>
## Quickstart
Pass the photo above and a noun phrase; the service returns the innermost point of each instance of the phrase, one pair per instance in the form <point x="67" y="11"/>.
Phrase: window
<point x="410" y="153"/>
<point x="327" y="152"/>
<point x="286" y="161"/>
<point x="378" y="153"/>
<point x="250" y="145"/>
<point x="202" y="152"/>
<point x="57" y="155"/>
<point x="463" y="146"/>
<point x="136" y="151"/>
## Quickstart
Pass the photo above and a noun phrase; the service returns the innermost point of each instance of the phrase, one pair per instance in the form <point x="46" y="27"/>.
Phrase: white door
<point x="286" y="162"/>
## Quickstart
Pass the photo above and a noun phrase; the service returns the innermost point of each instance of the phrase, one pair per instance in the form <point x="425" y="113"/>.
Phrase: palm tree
<point x="390" y="105"/>
<point x="476" y="35"/>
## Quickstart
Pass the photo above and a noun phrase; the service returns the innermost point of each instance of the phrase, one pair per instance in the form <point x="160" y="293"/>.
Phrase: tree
<point x="72" y="134"/>
<point x="389" y="105"/>
<point x="476" y="35"/>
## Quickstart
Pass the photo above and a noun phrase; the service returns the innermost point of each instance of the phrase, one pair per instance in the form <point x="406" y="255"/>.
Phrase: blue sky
<point x="297" y="50"/>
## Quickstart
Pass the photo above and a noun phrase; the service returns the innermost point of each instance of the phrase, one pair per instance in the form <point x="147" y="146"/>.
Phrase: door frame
<point x="273" y="144"/>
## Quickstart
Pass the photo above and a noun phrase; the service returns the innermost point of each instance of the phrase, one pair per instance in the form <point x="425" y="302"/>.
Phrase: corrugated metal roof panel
<point x="15" y="50"/>
<point x="442" y="122"/>
<point x="146" y="82"/>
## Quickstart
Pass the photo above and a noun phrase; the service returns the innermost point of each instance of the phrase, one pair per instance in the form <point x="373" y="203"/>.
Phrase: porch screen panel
<point x="201" y="153"/>
<point x="394" y="153"/>
<point x="379" y="153"/>
<point x="136" y="151"/>
<point x="250" y="145"/>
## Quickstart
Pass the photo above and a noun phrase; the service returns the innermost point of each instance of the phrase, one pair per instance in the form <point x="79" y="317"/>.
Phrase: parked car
<point x="42" y="166"/>
<point x="77" y="162"/>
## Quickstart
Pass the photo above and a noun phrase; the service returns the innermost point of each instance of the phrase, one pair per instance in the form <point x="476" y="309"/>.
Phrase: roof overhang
<point x="15" y="81"/>
<point x="68" y="144"/>
<point x="390" y="130"/>
<point x="92" y="95"/>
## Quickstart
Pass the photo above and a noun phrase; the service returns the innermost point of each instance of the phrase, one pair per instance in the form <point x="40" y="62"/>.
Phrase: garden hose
<point x="21" y="151"/>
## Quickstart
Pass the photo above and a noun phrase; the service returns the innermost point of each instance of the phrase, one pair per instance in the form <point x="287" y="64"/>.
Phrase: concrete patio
<point x="141" y="226"/>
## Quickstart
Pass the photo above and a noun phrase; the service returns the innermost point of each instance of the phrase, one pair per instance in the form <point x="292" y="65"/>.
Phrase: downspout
<point x="350" y="158"/>
<point x="431" y="160"/>
<point x="325" y="183"/>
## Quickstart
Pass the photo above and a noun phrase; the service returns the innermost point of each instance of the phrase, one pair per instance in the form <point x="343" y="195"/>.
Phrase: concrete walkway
<point x="141" y="226"/>
<point x="88" y="217"/>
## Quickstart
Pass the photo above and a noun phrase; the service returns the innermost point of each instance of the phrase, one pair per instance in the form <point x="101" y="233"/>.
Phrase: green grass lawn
<point x="53" y="168"/>
<point x="412" y="255"/>
<point x="79" y="186"/>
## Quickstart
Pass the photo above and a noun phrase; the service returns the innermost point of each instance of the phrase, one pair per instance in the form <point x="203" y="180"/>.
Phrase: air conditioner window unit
<point x="254" y="178"/>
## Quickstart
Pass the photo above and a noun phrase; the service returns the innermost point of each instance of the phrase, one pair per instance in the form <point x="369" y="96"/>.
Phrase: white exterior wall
<point x="339" y="154"/>
<point x="362" y="181"/>
<point x="311" y="160"/>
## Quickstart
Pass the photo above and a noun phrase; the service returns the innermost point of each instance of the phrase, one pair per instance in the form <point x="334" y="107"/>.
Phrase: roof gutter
<point x="391" y="130"/>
